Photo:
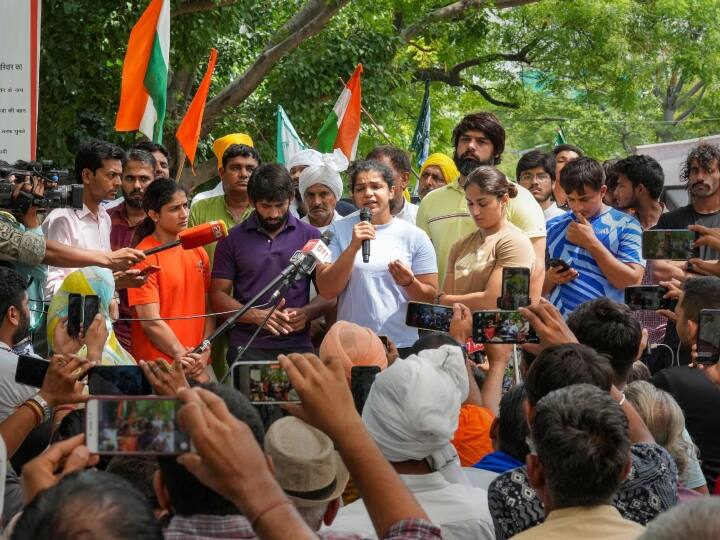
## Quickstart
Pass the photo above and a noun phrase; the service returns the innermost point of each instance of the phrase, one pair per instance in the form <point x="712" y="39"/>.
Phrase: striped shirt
<point x="621" y="235"/>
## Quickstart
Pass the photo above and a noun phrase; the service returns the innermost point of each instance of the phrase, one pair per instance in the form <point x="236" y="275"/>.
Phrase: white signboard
<point x="19" y="70"/>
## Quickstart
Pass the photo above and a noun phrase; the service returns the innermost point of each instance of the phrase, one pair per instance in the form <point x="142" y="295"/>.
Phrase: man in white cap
<point x="308" y="469"/>
<point x="321" y="188"/>
<point x="412" y="412"/>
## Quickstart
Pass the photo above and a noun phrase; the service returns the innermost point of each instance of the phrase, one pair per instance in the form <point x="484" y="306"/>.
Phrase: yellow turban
<point x="447" y="166"/>
<point x="221" y="144"/>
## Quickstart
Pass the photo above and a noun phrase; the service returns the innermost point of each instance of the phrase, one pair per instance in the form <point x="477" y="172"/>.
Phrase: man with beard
<point x="138" y="172"/>
<point x="536" y="172"/>
<point x="233" y="206"/>
<point x="256" y="251"/>
<point x="479" y="139"/>
<point x="14" y="327"/>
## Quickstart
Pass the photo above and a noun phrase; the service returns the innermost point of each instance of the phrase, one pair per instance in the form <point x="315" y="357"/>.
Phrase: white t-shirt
<point x="408" y="213"/>
<point x="553" y="211"/>
<point x="371" y="297"/>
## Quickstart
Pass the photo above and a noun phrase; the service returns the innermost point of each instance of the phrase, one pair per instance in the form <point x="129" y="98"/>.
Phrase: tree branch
<point x="691" y="108"/>
<point x="193" y="7"/>
<point x="499" y="103"/>
<point x="310" y="20"/>
<point x="455" y="10"/>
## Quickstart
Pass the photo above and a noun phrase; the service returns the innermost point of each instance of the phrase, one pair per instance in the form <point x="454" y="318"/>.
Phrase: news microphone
<point x="314" y="252"/>
<point x="197" y="236"/>
<point x="365" y="215"/>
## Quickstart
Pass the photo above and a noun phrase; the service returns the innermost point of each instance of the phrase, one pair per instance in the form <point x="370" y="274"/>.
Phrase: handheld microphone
<point x="197" y="236"/>
<point x="365" y="215"/>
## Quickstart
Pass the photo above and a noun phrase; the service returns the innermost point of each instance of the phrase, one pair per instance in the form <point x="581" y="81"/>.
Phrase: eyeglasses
<point x="529" y="177"/>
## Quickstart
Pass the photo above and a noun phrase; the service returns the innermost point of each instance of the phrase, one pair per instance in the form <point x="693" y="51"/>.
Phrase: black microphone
<point x="365" y="215"/>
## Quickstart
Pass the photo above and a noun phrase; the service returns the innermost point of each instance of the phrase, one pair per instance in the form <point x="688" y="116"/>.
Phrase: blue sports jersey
<point x="621" y="235"/>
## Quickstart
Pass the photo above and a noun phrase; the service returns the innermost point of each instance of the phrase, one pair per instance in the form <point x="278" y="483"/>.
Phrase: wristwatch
<point x="47" y="411"/>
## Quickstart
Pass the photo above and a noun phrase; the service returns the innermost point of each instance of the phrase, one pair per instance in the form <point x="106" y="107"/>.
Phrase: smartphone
<point x="118" y="380"/>
<point x="31" y="370"/>
<point x="672" y="245"/>
<point x="91" y="308"/>
<point x="133" y="425"/>
<point x="264" y="383"/>
<point x="384" y="340"/>
<point x="647" y="297"/>
<point x="75" y="312"/>
<point x="515" y="288"/>
<point x="361" y="379"/>
<point x="559" y="263"/>
<point x="428" y="316"/>
<point x="502" y="326"/>
<point x="708" y="341"/>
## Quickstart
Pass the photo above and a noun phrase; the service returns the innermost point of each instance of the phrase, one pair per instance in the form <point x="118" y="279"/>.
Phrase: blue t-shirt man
<point x="603" y="246"/>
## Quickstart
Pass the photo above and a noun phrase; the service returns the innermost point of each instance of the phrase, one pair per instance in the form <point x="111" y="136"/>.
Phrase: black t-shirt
<point x="681" y="217"/>
<point x="699" y="398"/>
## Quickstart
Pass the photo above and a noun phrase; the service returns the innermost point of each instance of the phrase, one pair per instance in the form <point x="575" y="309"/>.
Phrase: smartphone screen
<point x="134" y="426"/>
<point x="673" y="245"/>
<point x="502" y="326"/>
<point x="31" y="370"/>
<point x="648" y="297"/>
<point x="361" y="379"/>
<point x="92" y="307"/>
<point x="264" y="383"/>
<point x="515" y="288"/>
<point x="559" y="263"/>
<point x="118" y="380"/>
<point x="75" y="309"/>
<point x="429" y="316"/>
<point x="708" y="341"/>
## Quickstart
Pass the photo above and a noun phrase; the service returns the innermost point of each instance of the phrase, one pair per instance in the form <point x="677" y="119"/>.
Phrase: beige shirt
<point x="596" y="522"/>
<point x="473" y="258"/>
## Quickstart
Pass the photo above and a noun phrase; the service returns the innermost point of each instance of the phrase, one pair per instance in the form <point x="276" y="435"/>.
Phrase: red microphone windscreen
<point x="203" y="234"/>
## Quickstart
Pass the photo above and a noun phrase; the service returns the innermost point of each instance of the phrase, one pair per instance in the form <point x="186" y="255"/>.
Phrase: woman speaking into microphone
<point x="401" y="265"/>
<point x="177" y="284"/>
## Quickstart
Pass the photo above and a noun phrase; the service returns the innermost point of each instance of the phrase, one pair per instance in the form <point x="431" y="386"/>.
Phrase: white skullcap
<point x="307" y="157"/>
<point x="413" y="407"/>
<point x="326" y="173"/>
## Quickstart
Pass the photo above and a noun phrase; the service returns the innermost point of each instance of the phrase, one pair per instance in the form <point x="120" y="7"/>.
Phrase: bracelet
<point x="622" y="400"/>
<point x="273" y="506"/>
<point x="408" y="284"/>
<point x="35" y="408"/>
<point x="438" y="297"/>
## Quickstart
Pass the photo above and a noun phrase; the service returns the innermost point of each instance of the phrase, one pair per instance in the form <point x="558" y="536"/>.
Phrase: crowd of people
<point x="598" y="425"/>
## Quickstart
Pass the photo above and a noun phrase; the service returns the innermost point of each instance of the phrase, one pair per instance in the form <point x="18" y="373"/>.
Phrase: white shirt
<point x="335" y="217"/>
<point x="12" y="394"/>
<point x="409" y="212"/>
<point x="553" y="211"/>
<point x="78" y="228"/>
<point x="459" y="510"/>
<point x="371" y="297"/>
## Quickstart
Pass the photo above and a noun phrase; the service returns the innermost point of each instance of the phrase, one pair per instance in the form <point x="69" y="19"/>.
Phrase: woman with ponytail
<point x="475" y="263"/>
<point x="178" y="289"/>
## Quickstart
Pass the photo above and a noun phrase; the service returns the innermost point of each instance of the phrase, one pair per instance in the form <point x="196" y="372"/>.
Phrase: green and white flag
<point x="287" y="142"/>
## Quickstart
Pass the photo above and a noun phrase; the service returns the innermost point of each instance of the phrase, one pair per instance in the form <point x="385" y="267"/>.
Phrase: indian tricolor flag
<point x="342" y="128"/>
<point x="145" y="72"/>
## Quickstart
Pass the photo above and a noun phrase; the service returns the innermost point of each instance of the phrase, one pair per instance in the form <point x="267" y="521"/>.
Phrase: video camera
<point x="60" y="191"/>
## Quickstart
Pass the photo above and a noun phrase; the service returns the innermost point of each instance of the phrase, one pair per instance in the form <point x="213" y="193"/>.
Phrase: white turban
<point x="307" y="157"/>
<point x="326" y="172"/>
<point x="413" y="407"/>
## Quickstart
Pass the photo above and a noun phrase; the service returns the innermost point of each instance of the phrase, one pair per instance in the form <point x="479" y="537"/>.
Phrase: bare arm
<point x="498" y="356"/>
<point x="64" y="256"/>
<point x="618" y="273"/>
<point x="486" y="299"/>
<point x="158" y="331"/>
<point x="537" y="278"/>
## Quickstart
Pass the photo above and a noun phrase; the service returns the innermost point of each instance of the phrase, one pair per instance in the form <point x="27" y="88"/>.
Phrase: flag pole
<point x="379" y="129"/>
<point x="181" y="166"/>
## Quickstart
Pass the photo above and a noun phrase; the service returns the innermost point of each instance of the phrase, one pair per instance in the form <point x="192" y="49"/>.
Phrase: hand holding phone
<point x="429" y="316"/>
<point x="264" y="383"/>
<point x="669" y="244"/>
<point x="650" y="297"/>
<point x="708" y="339"/>
<point x="560" y="274"/>
<point x="502" y="326"/>
<point x="515" y="288"/>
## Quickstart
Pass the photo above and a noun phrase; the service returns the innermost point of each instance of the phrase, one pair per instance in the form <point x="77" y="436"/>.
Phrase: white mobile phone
<point x="134" y="425"/>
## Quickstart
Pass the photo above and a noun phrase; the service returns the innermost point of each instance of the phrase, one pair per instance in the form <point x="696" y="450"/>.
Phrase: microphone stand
<point x="279" y="282"/>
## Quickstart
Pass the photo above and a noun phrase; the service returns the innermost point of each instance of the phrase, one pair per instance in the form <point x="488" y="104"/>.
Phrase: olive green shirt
<point x="214" y="209"/>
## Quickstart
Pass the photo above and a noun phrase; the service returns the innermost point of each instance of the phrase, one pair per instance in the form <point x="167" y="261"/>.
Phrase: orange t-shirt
<point x="179" y="287"/>
<point x="472" y="438"/>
